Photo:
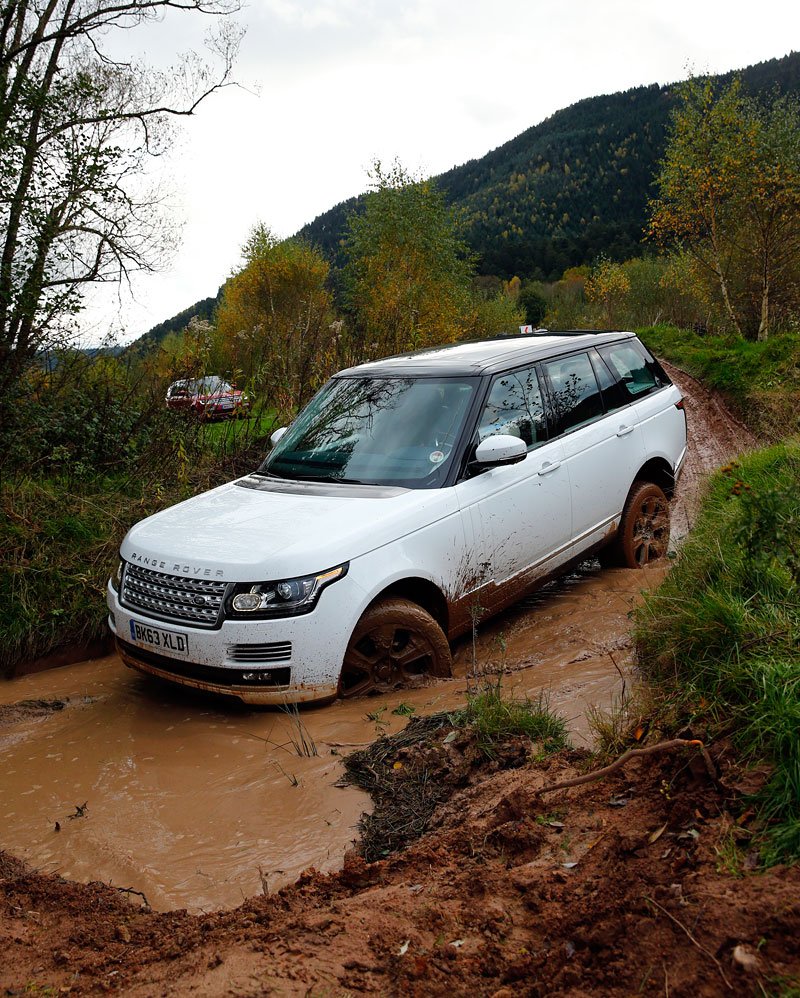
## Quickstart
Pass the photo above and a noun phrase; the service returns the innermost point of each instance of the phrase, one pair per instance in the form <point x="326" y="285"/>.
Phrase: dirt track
<point x="616" y="888"/>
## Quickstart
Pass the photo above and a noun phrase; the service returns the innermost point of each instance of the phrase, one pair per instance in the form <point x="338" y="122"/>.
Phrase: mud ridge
<point x="615" y="888"/>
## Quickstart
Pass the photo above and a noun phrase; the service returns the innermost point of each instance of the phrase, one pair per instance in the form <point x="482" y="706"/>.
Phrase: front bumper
<point x="262" y="695"/>
<point x="305" y="668"/>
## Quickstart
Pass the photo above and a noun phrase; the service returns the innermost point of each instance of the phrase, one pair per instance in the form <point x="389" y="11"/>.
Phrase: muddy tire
<point x="643" y="534"/>
<point x="396" y="643"/>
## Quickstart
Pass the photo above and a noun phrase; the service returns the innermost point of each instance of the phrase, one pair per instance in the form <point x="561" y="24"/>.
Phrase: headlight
<point x="116" y="578"/>
<point x="285" y="598"/>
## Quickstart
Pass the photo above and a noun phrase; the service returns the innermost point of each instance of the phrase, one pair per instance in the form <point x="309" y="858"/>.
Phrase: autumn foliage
<point x="729" y="199"/>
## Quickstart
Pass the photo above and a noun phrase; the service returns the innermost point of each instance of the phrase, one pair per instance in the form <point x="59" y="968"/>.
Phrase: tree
<point x="534" y="304"/>
<point x="407" y="272"/>
<point x="729" y="195"/>
<point x="275" y="318"/>
<point x="607" y="288"/>
<point x="76" y="130"/>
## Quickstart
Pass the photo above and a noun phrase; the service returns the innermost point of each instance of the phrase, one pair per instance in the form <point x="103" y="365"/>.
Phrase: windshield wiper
<point x="326" y="479"/>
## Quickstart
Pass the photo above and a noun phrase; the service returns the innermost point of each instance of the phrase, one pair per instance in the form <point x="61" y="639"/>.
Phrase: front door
<point x="520" y="514"/>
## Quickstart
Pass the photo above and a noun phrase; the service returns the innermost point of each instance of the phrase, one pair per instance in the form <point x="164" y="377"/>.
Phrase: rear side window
<point x="514" y="406"/>
<point x="628" y="364"/>
<point x="574" y="391"/>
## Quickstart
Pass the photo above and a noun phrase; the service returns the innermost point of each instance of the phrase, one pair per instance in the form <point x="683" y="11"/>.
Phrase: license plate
<point x="159" y="637"/>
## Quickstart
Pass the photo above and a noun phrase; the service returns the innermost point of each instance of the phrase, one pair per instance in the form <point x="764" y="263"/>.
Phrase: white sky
<point x="431" y="82"/>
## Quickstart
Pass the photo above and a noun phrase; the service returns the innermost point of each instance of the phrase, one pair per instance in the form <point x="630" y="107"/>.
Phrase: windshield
<point x="210" y="385"/>
<point x="377" y="431"/>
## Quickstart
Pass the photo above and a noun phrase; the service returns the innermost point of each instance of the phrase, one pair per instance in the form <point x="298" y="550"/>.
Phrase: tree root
<point x="702" y="949"/>
<point x="600" y="774"/>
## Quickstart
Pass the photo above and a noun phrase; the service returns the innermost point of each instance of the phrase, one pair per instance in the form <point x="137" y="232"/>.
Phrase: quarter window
<point x="630" y="369"/>
<point x="515" y="407"/>
<point x="574" y="391"/>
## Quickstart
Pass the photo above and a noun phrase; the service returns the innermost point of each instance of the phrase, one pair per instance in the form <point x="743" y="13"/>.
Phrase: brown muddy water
<point x="198" y="802"/>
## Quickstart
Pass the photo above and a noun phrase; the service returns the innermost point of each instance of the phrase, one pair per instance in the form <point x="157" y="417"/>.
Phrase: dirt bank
<point x="614" y="888"/>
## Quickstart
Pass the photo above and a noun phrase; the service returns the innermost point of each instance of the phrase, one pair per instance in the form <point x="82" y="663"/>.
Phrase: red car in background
<point x="208" y="398"/>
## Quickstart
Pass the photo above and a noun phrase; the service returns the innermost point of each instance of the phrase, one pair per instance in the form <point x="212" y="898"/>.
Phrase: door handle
<point x="549" y="466"/>
<point x="624" y="430"/>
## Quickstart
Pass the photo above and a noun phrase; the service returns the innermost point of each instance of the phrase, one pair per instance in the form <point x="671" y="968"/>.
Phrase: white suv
<point x="411" y="497"/>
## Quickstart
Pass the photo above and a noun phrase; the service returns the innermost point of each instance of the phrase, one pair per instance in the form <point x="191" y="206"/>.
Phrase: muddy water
<point x="198" y="803"/>
<point x="192" y="800"/>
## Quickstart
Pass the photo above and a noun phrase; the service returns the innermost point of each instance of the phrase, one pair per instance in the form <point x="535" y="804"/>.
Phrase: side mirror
<point x="499" y="450"/>
<point x="276" y="436"/>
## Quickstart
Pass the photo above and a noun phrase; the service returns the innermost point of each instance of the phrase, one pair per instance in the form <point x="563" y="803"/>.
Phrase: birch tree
<point x="729" y="196"/>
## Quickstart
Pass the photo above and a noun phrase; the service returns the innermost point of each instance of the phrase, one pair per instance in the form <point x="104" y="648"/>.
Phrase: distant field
<point x="227" y="436"/>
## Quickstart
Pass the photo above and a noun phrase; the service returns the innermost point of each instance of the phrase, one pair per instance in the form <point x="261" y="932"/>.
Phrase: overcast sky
<point x="334" y="84"/>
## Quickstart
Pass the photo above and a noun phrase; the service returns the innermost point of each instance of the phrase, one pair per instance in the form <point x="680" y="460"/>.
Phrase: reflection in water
<point x="191" y="799"/>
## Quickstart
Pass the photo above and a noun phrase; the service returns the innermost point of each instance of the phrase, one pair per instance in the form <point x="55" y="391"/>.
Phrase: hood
<point x="238" y="534"/>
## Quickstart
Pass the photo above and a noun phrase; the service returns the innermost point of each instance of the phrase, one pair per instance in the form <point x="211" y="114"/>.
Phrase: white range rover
<point x="411" y="496"/>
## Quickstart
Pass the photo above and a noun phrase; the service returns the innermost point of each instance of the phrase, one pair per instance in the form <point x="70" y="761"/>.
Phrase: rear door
<point x="643" y="383"/>
<point x="601" y="439"/>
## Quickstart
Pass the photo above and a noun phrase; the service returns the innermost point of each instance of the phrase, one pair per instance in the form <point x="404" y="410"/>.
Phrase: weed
<point x="404" y="709"/>
<point x="299" y="736"/>
<point x="289" y="776"/>
<point x="780" y="988"/>
<point x="730" y="859"/>
<point x="642" y="711"/>
<point x="495" y="717"/>
<point x="376" y="716"/>
<point x="552" y="818"/>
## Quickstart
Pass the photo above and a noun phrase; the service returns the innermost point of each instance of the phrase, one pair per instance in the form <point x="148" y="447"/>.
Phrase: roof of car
<point x="483" y="356"/>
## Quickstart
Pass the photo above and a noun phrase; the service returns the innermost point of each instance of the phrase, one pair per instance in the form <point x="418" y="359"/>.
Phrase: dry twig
<point x="600" y="774"/>
<point x="702" y="948"/>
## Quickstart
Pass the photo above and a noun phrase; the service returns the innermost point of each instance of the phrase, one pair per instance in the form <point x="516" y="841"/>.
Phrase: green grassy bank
<point x="721" y="637"/>
<point x="59" y="540"/>
<point x="760" y="381"/>
<point x="60" y="534"/>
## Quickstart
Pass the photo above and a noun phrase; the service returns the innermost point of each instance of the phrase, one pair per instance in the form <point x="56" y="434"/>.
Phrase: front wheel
<point x="396" y="643"/>
<point x="643" y="534"/>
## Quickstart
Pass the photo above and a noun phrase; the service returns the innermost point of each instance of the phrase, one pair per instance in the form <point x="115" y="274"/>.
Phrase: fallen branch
<point x="702" y="949"/>
<point x="600" y="774"/>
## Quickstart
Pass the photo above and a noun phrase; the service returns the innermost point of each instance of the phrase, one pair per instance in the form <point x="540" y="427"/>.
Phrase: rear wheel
<point x="396" y="643"/>
<point x="643" y="534"/>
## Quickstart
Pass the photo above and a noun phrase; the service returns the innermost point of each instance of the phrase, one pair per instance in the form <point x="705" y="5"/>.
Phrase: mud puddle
<point x="198" y="803"/>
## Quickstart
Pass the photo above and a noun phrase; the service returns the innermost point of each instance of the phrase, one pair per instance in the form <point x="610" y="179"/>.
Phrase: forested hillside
<point x="558" y="195"/>
<point x="567" y="189"/>
<point x="203" y="309"/>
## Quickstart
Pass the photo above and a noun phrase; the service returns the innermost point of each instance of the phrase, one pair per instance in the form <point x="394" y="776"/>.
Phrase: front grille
<point x="172" y="597"/>
<point x="273" y="651"/>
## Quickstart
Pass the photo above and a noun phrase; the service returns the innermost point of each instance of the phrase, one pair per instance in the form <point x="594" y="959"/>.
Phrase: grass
<point x="495" y="717"/>
<point x="408" y="775"/>
<point x="760" y="381"/>
<point x="227" y="436"/>
<point x="58" y="545"/>
<point x="722" y="633"/>
<point x="60" y="536"/>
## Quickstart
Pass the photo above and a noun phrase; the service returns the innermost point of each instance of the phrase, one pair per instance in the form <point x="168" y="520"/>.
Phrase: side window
<point x="614" y="394"/>
<point x="514" y="406"/>
<point x="574" y="391"/>
<point x="630" y="368"/>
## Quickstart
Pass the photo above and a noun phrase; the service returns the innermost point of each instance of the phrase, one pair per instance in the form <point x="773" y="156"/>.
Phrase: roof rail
<point x="541" y="331"/>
